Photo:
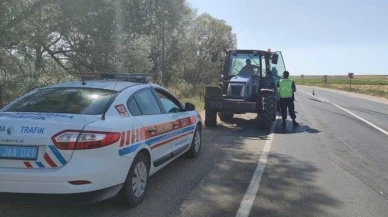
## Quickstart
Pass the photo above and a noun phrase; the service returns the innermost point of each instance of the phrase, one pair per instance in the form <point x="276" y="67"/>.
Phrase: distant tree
<point x="48" y="41"/>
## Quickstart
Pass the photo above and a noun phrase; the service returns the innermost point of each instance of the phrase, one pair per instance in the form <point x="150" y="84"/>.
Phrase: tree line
<point x="50" y="41"/>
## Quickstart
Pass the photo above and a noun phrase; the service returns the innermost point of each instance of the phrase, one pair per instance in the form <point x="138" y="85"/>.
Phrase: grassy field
<point x="189" y="95"/>
<point x="375" y="85"/>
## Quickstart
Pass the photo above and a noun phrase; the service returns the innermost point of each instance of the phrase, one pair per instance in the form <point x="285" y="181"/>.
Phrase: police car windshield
<point x="237" y="62"/>
<point x="87" y="101"/>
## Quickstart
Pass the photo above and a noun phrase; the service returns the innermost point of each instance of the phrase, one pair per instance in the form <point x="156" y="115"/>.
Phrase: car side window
<point x="147" y="102"/>
<point x="133" y="107"/>
<point x="168" y="104"/>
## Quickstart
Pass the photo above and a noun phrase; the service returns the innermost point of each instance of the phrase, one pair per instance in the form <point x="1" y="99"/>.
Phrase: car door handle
<point x="152" y="130"/>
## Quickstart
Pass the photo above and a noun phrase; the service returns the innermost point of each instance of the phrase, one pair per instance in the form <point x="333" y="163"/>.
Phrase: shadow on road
<point x="289" y="188"/>
<point x="242" y="128"/>
<point x="290" y="129"/>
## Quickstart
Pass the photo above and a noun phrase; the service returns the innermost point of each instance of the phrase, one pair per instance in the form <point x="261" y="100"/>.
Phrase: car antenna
<point x="108" y="103"/>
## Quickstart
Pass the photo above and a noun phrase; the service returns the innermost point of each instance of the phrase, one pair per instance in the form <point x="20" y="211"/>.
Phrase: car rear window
<point x="88" y="101"/>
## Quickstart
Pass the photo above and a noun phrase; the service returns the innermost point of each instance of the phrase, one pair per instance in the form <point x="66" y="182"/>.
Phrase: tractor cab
<point x="245" y="72"/>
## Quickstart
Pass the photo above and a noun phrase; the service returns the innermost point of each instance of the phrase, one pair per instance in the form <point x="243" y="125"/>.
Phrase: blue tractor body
<point x="240" y="87"/>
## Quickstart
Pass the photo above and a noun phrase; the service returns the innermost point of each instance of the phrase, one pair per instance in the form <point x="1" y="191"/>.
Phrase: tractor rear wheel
<point x="210" y="118"/>
<point x="268" y="115"/>
<point x="224" y="116"/>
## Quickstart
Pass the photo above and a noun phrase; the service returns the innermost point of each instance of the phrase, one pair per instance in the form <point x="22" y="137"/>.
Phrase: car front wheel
<point x="196" y="143"/>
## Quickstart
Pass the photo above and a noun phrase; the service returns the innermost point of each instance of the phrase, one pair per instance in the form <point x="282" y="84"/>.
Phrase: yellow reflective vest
<point x="285" y="88"/>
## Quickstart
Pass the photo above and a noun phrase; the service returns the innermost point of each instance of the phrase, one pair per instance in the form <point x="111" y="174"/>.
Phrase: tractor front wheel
<point x="268" y="115"/>
<point x="225" y="116"/>
<point x="210" y="118"/>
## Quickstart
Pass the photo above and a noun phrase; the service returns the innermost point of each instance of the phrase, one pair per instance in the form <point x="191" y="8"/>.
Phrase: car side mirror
<point x="275" y="58"/>
<point x="214" y="57"/>
<point x="189" y="106"/>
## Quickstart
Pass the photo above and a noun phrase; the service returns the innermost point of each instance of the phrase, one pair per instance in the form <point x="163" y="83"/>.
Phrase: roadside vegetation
<point x="375" y="85"/>
<point x="49" y="41"/>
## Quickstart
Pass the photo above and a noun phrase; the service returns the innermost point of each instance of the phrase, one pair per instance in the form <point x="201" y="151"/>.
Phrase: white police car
<point x="96" y="138"/>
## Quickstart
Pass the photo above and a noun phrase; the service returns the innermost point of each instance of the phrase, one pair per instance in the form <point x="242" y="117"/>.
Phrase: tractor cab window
<point x="244" y="65"/>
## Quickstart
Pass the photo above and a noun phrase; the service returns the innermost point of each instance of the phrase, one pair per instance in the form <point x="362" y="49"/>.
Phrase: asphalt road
<point x="334" y="164"/>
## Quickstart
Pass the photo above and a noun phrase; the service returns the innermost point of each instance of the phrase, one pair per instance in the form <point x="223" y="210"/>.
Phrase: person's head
<point x="248" y="61"/>
<point x="286" y="74"/>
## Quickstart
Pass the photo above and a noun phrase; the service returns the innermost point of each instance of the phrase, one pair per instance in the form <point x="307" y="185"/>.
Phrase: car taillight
<point x="78" y="140"/>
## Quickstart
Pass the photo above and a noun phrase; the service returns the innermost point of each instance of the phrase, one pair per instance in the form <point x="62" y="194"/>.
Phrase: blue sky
<point x="315" y="37"/>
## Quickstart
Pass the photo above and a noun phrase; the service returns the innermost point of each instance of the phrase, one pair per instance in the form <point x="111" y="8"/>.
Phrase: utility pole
<point x="1" y="96"/>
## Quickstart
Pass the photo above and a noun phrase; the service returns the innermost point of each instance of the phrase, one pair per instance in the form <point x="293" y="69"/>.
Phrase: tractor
<point x="248" y="84"/>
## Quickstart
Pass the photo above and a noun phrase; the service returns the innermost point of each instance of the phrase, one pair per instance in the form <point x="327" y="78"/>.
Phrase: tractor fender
<point x="266" y="90"/>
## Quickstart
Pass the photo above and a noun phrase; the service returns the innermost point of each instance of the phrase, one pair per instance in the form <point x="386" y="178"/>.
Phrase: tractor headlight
<point x="242" y="93"/>
<point x="229" y="91"/>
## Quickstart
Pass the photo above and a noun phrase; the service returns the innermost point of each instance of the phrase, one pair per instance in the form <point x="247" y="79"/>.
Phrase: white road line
<point x="250" y="194"/>
<point x="360" y="118"/>
<point x="325" y="100"/>
<point x="320" y="98"/>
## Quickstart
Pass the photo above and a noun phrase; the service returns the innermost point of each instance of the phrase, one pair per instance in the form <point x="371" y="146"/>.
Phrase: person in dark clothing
<point x="248" y="69"/>
<point x="286" y="92"/>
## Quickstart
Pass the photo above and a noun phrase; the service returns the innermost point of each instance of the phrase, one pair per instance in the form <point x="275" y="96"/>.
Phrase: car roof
<point x="158" y="86"/>
<point x="101" y="84"/>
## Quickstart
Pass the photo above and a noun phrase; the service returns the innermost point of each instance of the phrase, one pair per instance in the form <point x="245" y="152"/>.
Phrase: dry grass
<point x="358" y="80"/>
<point x="372" y="90"/>
<point x="383" y="88"/>
<point x="197" y="101"/>
<point x="189" y="95"/>
<point x="375" y="85"/>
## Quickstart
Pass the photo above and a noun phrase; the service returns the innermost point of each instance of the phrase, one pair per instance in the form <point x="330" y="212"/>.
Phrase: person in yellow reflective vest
<point x="286" y="93"/>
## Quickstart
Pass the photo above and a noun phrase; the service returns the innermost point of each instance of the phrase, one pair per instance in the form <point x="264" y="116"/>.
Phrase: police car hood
<point x="21" y="129"/>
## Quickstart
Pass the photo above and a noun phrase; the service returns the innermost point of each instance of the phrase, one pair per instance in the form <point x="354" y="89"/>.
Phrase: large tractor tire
<point x="225" y="116"/>
<point x="268" y="115"/>
<point x="212" y="94"/>
<point x="210" y="118"/>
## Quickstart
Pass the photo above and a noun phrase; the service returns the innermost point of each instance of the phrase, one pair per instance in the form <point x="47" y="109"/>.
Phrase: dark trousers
<point x="287" y="103"/>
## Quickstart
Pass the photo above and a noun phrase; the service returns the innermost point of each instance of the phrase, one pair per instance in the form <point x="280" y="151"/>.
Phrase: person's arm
<point x="293" y="86"/>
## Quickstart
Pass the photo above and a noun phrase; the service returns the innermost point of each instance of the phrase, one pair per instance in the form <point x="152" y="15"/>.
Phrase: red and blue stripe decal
<point x="52" y="159"/>
<point x="58" y="154"/>
<point x="158" y="141"/>
<point x="164" y="134"/>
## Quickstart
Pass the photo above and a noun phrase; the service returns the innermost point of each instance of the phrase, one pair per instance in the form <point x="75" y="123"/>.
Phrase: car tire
<point x="196" y="143"/>
<point x="133" y="194"/>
